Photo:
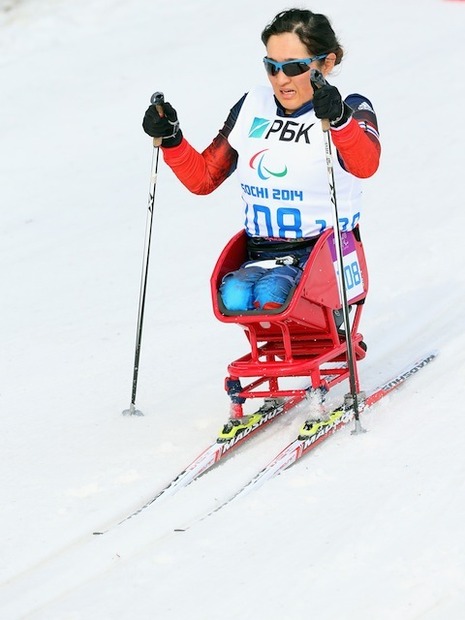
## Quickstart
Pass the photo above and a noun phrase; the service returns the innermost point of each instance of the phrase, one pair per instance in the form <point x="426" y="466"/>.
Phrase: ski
<point x="219" y="449"/>
<point x="316" y="431"/>
<point x="309" y="437"/>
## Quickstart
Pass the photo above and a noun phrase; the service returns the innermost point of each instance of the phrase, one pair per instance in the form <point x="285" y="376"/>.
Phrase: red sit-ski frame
<point x="301" y="338"/>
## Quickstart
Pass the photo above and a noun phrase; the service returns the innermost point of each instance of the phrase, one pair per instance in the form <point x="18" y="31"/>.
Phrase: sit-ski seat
<point x="301" y="338"/>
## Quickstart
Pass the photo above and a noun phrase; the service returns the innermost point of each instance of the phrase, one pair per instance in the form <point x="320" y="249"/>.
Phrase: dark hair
<point x="313" y="29"/>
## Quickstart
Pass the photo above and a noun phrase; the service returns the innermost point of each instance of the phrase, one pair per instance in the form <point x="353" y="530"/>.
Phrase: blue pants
<point x="257" y="288"/>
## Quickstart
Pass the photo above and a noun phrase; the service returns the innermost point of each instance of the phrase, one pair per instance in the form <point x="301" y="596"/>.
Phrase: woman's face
<point x="293" y="92"/>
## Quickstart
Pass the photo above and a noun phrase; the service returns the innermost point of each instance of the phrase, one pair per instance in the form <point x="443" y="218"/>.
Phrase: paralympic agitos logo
<point x="284" y="130"/>
<point x="257" y="162"/>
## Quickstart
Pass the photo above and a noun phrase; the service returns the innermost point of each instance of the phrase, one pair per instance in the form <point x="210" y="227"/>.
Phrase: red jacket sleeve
<point x="202" y="172"/>
<point x="359" y="151"/>
<point x="357" y="142"/>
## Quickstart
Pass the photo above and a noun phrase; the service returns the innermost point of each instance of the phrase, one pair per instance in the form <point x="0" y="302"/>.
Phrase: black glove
<point x="165" y="127"/>
<point x="327" y="103"/>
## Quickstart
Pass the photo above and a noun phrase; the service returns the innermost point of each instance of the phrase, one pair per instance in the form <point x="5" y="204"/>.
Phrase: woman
<point x="272" y="139"/>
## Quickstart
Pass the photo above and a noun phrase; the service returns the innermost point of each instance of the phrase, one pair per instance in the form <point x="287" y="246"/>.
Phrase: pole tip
<point x="132" y="411"/>
<point x="358" y="430"/>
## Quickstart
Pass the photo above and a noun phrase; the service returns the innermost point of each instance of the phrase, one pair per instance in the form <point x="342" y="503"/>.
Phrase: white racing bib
<point x="283" y="175"/>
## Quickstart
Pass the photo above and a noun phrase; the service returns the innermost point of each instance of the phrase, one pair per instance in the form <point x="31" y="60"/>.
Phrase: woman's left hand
<point x="327" y="103"/>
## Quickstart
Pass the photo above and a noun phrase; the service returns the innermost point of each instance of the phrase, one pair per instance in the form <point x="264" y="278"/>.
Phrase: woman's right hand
<point x="161" y="121"/>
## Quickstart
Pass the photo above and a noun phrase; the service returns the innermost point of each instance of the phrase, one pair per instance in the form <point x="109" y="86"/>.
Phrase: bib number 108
<point x="288" y="220"/>
<point x="352" y="275"/>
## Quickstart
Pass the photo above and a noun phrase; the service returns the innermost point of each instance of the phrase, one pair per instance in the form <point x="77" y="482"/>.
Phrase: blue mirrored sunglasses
<point x="290" y="68"/>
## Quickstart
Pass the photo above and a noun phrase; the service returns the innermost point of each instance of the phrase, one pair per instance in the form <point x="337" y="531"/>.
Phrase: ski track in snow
<point x="368" y="527"/>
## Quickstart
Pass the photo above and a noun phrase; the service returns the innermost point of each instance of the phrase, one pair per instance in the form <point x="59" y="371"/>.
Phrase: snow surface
<point x="368" y="527"/>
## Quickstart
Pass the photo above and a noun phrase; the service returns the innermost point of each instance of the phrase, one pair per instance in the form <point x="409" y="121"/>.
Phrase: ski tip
<point x="426" y="359"/>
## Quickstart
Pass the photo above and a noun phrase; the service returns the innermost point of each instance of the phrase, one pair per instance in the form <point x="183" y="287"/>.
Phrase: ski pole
<point x="317" y="81"/>
<point x="158" y="100"/>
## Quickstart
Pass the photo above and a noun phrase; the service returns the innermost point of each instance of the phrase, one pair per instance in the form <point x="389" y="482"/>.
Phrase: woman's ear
<point x="328" y="64"/>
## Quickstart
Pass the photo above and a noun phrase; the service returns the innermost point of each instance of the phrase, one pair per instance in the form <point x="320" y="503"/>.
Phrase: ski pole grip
<point x="317" y="81"/>
<point x="158" y="99"/>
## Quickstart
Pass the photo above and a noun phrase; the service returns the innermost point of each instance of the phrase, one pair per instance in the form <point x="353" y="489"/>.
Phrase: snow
<point x="367" y="527"/>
